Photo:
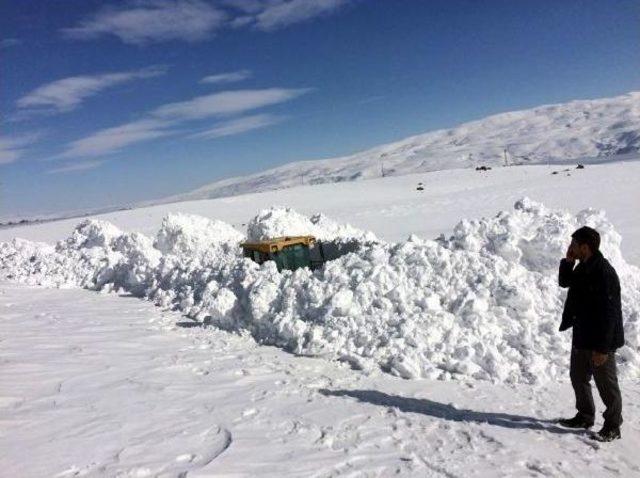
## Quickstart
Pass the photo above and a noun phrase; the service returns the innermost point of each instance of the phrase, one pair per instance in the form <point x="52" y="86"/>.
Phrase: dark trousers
<point x="605" y="376"/>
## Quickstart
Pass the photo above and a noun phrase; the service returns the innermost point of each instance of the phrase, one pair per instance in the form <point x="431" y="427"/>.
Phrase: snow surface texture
<point x="483" y="303"/>
<point x="585" y="130"/>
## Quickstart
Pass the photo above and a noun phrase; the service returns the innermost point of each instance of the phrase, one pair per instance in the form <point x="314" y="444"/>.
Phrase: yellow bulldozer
<point x="288" y="252"/>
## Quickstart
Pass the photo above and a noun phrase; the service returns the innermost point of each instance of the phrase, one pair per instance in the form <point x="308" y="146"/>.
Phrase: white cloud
<point x="158" y="122"/>
<point x="67" y="94"/>
<point x="225" y="103"/>
<point x="238" y="126"/>
<point x="9" y="151"/>
<point x="229" y="77"/>
<point x="113" y="139"/>
<point x="12" y="149"/>
<point x="146" y="21"/>
<point x="246" y="6"/>
<point x="9" y="42"/>
<point x="278" y="14"/>
<point x="73" y="167"/>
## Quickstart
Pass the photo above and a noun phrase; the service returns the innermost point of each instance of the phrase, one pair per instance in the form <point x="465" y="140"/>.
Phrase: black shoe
<point x="607" y="434"/>
<point x="576" y="422"/>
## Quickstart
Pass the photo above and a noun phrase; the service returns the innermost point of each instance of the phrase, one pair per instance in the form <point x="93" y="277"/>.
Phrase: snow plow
<point x="288" y="252"/>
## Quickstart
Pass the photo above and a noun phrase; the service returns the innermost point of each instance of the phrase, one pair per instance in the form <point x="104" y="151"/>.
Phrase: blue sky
<point x="111" y="102"/>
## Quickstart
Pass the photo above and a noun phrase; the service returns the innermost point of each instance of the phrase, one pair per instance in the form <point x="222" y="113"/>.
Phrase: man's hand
<point x="569" y="256"/>
<point x="598" y="358"/>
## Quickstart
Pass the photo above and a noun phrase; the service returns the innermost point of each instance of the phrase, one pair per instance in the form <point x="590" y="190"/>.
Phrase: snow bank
<point x="188" y="235"/>
<point x="276" y="222"/>
<point x="483" y="303"/>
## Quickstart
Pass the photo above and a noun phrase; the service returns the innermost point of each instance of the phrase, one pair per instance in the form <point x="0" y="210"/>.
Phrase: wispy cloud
<point x="282" y="13"/>
<point x="239" y="125"/>
<point x="110" y="140"/>
<point x="147" y="21"/>
<point x="13" y="148"/>
<point x="229" y="77"/>
<point x="158" y="123"/>
<point x="74" y="167"/>
<point x="246" y="6"/>
<point x="225" y="103"/>
<point x="68" y="93"/>
<point x="9" y="42"/>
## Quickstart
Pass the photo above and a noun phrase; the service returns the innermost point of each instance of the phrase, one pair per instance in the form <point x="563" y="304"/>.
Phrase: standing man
<point x="593" y="310"/>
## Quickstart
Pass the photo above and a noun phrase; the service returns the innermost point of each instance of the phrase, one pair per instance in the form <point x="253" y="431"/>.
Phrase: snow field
<point x="483" y="303"/>
<point x="95" y="394"/>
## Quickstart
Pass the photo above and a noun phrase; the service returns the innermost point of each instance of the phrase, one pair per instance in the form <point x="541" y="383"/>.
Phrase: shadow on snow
<point x="449" y="412"/>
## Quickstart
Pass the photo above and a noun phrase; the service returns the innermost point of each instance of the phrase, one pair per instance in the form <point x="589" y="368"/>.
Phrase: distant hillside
<point x="597" y="129"/>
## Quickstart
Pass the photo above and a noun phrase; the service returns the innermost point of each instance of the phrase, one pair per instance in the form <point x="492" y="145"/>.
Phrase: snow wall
<point x="483" y="303"/>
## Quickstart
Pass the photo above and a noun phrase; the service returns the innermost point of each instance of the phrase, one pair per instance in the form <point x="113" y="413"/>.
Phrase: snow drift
<point x="482" y="303"/>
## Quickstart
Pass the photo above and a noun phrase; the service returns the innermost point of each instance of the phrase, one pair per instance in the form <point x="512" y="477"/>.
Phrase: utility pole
<point x="506" y="159"/>
<point x="382" y="168"/>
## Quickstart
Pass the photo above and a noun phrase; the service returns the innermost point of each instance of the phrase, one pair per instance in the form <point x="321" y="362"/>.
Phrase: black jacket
<point x="593" y="305"/>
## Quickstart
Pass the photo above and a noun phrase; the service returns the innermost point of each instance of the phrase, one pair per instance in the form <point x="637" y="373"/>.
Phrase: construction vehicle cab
<point x="289" y="252"/>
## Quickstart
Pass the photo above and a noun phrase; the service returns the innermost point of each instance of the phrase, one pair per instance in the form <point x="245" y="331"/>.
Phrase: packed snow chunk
<point x="281" y="221"/>
<point x="532" y="235"/>
<point x="98" y="255"/>
<point x="24" y="260"/>
<point x="91" y="233"/>
<point x="483" y="303"/>
<point x="186" y="234"/>
<point x="135" y="271"/>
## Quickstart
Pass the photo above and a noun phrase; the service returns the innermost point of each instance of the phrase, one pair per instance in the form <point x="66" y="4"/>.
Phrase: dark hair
<point x="589" y="236"/>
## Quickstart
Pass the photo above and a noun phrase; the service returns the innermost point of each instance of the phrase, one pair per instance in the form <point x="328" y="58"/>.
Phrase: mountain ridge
<point x="596" y="130"/>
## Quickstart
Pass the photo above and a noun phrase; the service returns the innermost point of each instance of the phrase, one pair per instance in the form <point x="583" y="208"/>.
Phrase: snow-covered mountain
<point x="597" y="129"/>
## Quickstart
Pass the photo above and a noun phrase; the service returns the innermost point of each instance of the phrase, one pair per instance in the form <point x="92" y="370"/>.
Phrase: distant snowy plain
<point x="109" y="385"/>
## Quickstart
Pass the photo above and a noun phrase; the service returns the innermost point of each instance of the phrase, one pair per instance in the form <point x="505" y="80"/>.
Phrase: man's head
<point x="585" y="242"/>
